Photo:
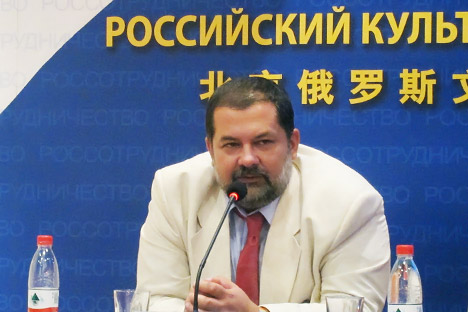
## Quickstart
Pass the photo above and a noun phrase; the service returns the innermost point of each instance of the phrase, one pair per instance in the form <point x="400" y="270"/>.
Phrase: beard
<point x="261" y="193"/>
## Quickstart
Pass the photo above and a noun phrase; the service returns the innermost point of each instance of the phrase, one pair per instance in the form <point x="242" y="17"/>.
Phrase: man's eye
<point x="230" y="144"/>
<point x="264" y="142"/>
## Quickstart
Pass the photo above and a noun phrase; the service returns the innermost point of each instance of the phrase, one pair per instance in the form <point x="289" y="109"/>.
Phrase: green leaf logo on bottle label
<point x="35" y="299"/>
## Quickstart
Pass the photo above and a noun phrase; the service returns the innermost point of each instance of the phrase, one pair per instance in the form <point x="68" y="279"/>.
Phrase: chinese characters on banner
<point x="316" y="86"/>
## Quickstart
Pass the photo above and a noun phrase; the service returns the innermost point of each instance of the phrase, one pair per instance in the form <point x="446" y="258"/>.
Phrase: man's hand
<point x="220" y="294"/>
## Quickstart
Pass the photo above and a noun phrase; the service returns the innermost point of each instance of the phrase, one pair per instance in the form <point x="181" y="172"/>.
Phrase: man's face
<point x="250" y="146"/>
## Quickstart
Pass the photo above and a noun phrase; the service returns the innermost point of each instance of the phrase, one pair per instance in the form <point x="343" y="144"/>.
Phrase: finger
<point x="190" y="296"/>
<point x="208" y="304"/>
<point x="211" y="289"/>
<point x="204" y="301"/>
<point x="188" y="307"/>
<point x="189" y="303"/>
<point x="201" y="292"/>
<point x="224" y="282"/>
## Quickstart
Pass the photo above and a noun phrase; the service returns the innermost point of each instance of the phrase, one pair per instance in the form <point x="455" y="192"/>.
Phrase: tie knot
<point x="254" y="227"/>
<point x="254" y="221"/>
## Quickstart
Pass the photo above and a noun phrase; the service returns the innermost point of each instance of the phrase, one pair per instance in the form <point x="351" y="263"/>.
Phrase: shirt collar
<point x="267" y="211"/>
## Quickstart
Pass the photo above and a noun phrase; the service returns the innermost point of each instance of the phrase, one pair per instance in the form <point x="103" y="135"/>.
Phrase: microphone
<point x="235" y="191"/>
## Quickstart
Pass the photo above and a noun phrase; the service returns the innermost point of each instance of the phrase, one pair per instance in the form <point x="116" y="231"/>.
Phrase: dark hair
<point x="240" y="93"/>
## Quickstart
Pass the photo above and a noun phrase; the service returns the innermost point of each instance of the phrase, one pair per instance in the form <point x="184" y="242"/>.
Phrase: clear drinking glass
<point x="130" y="300"/>
<point x="344" y="303"/>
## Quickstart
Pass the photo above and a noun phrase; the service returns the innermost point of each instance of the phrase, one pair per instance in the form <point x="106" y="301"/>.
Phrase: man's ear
<point x="294" y="141"/>
<point x="209" y="146"/>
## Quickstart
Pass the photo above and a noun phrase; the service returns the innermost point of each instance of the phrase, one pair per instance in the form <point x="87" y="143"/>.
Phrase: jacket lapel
<point x="219" y="260"/>
<point x="282" y="251"/>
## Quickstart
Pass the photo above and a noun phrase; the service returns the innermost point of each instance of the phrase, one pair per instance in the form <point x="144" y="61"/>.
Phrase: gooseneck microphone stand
<point x="236" y="191"/>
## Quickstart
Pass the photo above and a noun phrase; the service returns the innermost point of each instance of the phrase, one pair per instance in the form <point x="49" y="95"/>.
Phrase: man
<point x="322" y="226"/>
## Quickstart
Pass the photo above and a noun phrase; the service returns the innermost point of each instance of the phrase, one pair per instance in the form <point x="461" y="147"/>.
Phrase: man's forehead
<point x="229" y="121"/>
<point x="226" y="115"/>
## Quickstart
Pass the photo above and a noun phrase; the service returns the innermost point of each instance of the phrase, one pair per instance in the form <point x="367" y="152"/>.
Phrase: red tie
<point x="247" y="266"/>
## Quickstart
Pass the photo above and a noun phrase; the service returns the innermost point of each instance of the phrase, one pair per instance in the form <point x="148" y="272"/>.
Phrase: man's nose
<point x="248" y="157"/>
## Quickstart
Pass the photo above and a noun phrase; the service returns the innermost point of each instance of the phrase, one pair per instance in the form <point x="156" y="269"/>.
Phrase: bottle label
<point x="43" y="300"/>
<point x="405" y="308"/>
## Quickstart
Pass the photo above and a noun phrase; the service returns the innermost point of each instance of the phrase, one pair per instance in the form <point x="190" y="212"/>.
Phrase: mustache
<point x="249" y="171"/>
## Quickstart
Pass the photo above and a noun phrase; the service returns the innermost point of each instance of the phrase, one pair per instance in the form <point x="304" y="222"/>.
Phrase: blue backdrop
<point x="80" y="144"/>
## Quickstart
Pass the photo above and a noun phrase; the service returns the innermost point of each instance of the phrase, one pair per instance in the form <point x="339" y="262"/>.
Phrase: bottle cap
<point x="45" y="240"/>
<point x="405" y="250"/>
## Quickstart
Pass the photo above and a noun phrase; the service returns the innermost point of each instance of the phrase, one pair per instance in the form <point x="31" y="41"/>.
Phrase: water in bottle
<point x="404" y="290"/>
<point x="43" y="284"/>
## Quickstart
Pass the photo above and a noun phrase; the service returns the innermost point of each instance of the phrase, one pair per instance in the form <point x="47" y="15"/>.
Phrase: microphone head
<point x="237" y="189"/>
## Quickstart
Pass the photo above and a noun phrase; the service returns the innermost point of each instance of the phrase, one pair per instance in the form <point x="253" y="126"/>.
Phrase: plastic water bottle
<point x="404" y="290"/>
<point x="43" y="284"/>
